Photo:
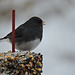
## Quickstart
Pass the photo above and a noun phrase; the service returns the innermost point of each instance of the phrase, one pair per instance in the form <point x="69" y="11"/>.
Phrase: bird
<point x="28" y="35"/>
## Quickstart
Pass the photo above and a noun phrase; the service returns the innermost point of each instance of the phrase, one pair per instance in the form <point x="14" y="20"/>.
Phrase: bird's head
<point x="36" y="20"/>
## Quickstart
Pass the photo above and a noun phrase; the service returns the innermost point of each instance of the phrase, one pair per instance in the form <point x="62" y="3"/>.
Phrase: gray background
<point x="58" y="44"/>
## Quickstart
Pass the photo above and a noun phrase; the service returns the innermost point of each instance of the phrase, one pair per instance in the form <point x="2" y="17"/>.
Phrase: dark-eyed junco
<point x="28" y="35"/>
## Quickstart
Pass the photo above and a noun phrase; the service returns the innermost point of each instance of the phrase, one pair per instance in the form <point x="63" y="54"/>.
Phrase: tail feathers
<point x="1" y="38"/>
<point x="4" y="39"/>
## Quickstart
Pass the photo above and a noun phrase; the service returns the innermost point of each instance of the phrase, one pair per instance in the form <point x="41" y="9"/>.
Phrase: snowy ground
<point x="58" y="44"/>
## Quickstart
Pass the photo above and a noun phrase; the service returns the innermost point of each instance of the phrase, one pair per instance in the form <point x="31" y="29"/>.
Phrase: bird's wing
<point x="23" y="34"/>
<point x="18" y="32"/>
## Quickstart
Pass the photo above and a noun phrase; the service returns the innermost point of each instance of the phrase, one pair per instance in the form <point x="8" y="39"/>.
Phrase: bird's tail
<point x="3" y="39"/>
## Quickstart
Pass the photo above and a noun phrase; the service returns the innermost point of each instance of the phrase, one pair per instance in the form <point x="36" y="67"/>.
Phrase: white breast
<point x="28" y="45"/>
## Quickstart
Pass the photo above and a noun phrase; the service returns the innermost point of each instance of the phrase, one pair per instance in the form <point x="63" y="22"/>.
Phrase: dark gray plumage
<point x="27" y="35"/>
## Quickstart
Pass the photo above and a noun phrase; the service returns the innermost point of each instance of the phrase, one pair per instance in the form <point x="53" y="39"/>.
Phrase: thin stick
<point x="13" y="30"/>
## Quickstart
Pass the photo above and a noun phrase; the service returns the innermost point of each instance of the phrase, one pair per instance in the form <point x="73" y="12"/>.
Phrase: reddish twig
<point x="13" y="30"/>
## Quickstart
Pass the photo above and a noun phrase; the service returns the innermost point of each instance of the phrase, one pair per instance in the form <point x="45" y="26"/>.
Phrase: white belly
<point x="28" y="45"/>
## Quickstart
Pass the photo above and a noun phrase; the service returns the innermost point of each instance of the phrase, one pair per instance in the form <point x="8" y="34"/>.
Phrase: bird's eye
<point x="39" y="21"/>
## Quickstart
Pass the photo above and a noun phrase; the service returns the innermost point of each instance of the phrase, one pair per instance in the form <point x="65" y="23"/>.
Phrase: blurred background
<point x="58" y="44"/>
